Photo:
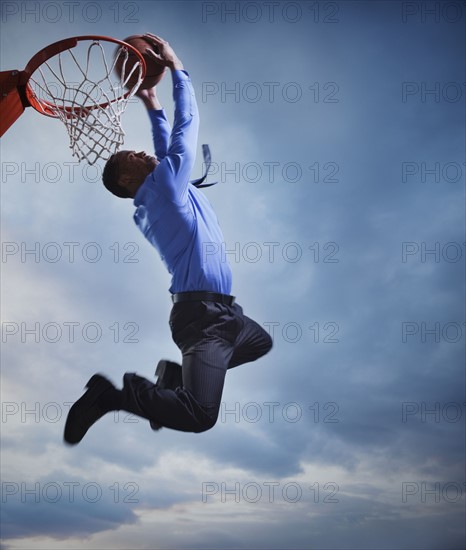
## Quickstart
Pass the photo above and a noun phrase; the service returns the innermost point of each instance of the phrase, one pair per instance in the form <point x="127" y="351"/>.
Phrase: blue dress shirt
<point x="173" y="215"/>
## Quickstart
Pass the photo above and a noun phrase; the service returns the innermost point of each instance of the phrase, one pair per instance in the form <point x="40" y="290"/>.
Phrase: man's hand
<point x="166" y="55"/>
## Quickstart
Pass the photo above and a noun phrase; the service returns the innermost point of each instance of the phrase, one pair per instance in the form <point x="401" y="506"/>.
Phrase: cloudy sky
<point x="337" y="134"/>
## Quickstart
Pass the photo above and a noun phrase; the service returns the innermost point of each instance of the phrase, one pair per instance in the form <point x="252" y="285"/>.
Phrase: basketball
<point x="154" y="70"/>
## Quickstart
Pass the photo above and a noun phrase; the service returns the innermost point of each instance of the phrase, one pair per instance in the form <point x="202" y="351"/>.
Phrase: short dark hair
<point x="110" y="177"/>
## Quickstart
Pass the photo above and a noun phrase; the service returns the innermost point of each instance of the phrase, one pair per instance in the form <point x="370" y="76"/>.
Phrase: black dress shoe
<point x="168" y="378"/>
<point x="87" y="410"/>
<point x="168" y="374"/>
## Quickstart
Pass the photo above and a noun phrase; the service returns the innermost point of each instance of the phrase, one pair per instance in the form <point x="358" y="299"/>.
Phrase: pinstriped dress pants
<point x="212" y="337"/>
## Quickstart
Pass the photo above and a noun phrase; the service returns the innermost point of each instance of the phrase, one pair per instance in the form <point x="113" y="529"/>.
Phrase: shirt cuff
<point x="180" y="75"/>
<point x="157" y="114"/>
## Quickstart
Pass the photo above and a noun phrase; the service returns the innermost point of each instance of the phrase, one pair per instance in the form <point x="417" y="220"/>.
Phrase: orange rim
<point x="49" y="109"/>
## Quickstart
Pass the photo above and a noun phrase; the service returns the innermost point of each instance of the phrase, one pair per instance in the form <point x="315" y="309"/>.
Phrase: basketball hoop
<point x="72" y="80"/>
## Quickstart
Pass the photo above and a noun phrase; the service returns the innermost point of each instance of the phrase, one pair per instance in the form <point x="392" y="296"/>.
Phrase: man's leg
<point x="205" y="332"/>
<point x="192" y="407"/>
<point x="252" y="343"/>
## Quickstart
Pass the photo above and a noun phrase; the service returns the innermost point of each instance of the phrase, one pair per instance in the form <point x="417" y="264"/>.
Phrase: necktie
<point x="207" y="162"/>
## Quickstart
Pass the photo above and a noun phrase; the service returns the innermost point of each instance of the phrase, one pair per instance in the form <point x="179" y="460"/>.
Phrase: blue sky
<point x="337" y="133"/>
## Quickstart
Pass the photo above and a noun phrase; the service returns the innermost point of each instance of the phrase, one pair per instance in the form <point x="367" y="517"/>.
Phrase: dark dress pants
<point x="212" y="337"/>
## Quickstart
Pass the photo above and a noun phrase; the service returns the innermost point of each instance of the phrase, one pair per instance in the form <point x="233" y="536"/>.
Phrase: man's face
<point x="134" y="168"/>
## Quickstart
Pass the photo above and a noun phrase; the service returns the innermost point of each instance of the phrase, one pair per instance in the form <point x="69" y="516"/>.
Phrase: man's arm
<point x="183" y="139"/>
<point x="174" y="174"/>
<point x="161" y="129"/>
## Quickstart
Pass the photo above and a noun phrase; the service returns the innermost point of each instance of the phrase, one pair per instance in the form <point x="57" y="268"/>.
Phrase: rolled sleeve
<point x="161" y="131"/>
<point x="177" y="153"/>
<point x="181" y="152"/>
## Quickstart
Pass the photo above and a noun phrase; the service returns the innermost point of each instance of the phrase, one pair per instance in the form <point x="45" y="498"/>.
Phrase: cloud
<point x="337" y="218"/>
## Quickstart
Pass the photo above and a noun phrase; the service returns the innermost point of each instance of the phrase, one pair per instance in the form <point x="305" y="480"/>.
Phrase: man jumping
<point x="207" y="325"/>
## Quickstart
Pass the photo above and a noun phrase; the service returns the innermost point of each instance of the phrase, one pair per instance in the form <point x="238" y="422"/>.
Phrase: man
<point x="207" y="325"/>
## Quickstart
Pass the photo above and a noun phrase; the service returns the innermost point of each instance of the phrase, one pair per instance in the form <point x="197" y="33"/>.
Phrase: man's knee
<point x="208" y="421"/>
<point x="266" y="343"/>
<point x="269" y="342"/>
<point x="204" y="426"/>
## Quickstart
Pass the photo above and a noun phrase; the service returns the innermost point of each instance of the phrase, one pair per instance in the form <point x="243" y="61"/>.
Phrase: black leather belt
<point x="203" y="297"/>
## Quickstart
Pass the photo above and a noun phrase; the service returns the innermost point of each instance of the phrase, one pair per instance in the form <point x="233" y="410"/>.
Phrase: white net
<point x="81" y="88"/>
